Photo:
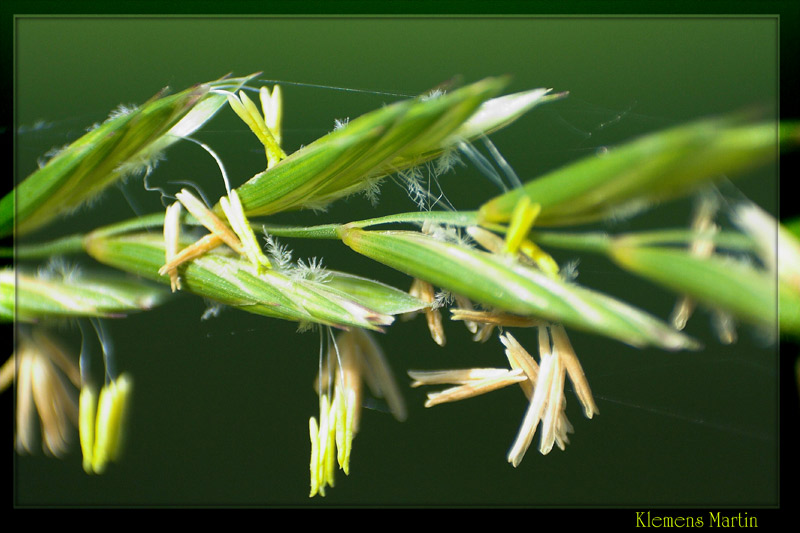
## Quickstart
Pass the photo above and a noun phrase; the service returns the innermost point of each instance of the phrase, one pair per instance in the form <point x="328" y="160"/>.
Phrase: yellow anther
<point x="248" y="112"/>
<point x="313" y="430"/>
<point x="210" y="220"/>
<point x="353" y="359"/>
<point x="204" y="244"/>
<point x="329" y="459"/>
<point x="323" y="444"/>
<point x="101" y="423"/>
<point x="345" y="420"/>
<point x="172" y="226"/>
<point x="240" y="238"/>
<point x="234" y="212"/>
<point x="102" y="429"/>
<point x="123" y="387"/>
<point x="542" y="259"/>
<point x="517" y="241"/>
<point x="87" y="414"/>
<point x="522" y="219"/>
<point x="424" y="291"/>
<point x="272" y="106"/>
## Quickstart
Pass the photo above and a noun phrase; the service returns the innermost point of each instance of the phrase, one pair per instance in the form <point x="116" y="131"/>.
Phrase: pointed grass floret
<point x="506" y="285"/>
<point x="28" y="297"/>
<point x="122" y="145"/>
<point x="654" y="168"/>
<point x="391" y="139"/>
<point x="341" y="300"/>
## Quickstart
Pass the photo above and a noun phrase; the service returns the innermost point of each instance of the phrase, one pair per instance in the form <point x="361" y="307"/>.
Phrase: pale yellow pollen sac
<point x="204" y="244"/>
<point x="86" y="424"/>
<point x="347" y="371"/>
<point x="519" y="358"/>
<point x="171" y="235"/>
<point x="547" y="403"/>
<point x="464" y="303"/>
<point x="496" y="318"/>
<point x="7" y="373"/>
<point x="424" y="291"/>
<point x="211" y="221"/>
<point x="240" y="238"/>
<point x="272" y="107"/>
<point x="469" y="382"/>
<point x="102" y="423"/>
<point x="540" y="258"/>
<point x="522" y="248"/>
<point x="542" y="383"/>
<point x="488" y="320"/>
<point x="313" y="430"/>
<point x="556" y="405"/>
<point x="220" y="233"/>
<point x="40" y="366"/>
<point x="232" y="207"/>
<point x="702" y="246"/>
<point x="323" y="447"/>
<point x="327" y="431"/>
<point x="724" y="325"/>
<point x="574" y="370"/>
<point x="488" y="240"/>
<point x="56" y="409"/>
<point x="484" y="333"/>
<point x="517" y="242"/>
<point x="353" y="358"/>
<point x="248" y="112"/>
<point x="548" y="364"/>
<point x="377" y="373"/>
<point x="25" y="404"/>
<point x="522" y="219"/>
<point x="346" y="417"/>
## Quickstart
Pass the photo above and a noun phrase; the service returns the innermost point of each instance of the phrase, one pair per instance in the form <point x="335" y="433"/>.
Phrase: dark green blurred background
<point x="221" y="406"/>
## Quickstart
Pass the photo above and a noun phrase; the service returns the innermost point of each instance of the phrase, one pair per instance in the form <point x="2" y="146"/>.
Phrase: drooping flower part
<point x="424" y="291"/>
<point x="777" y="248"/>
<point x="102" y="423"/>
<point x="702" y="247"/>
<point x="557" y="360"/>
<point x="43" y="375"/>
<point x="352" y="359"/>
<point x="542" y="383"/>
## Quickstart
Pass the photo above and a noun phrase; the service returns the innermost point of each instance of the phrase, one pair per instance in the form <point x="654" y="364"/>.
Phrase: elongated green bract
<point x="720" y="282"/>
<point x="503" y="283"/>
<point x="121" y="145"/>
<point x="28" y="298"/>
<point x="374" y="294"/>
<point x="648" y="170"/>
